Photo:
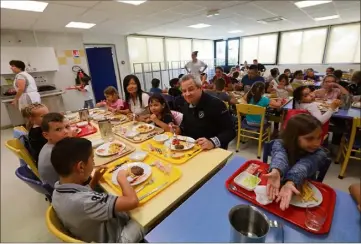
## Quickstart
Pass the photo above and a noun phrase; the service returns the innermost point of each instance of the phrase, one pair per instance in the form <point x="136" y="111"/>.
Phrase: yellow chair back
<point x="56" y="227"/>
<point x="251" y="109"/>
<point x="227" y="105"/>
<point x="20" y="151"/>
<point x="21" y="128"/>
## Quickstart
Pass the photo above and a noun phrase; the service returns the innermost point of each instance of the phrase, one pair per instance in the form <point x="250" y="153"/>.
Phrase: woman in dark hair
<point x="25" y="86"/>
<point x="135" y="96"/>
<point x="297" y="156"/>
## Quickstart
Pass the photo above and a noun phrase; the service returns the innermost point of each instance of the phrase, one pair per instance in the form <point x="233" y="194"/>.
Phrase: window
<point x="220" y="53"/>
<point x="145" y="50"/>
<point x="303" y="47"/>
<point x="263" y="48"/>
<point x="178" y="49"/>
<point x="344" y="44"/>
<point x="233" y="52"/>
<point x="205" y="50"/>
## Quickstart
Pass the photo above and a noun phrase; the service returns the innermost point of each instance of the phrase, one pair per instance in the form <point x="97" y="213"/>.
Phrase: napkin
<point x="261" y="195"/>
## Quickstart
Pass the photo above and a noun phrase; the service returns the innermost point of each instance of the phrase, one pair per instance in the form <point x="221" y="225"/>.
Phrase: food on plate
<point x="136" y="171"/>
<point x="101" y="150"/>
<point x="114" y="148"/>
<point x="307" y="194"/>
<point x="144" y="128"/>
<point x="250" y="181"/>
<point x="252" y="168"/>
<point x="179" y="147"/>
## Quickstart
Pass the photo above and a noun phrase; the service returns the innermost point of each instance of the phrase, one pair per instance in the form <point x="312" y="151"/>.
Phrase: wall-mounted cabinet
<point x="36" y="59"/>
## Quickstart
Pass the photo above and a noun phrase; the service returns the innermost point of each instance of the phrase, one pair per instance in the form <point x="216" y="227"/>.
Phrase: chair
<point x="26" y="175"/>
<point x="349" y="144"/>
<point x="57" y="228"/>
<point x="263" y="132"/>
<point x="267" y="149"/>
<point x="18" y="133"/>
<point x="20" y="151"/>
<point x="227" y="104"/>
<point x="21" y="128"/>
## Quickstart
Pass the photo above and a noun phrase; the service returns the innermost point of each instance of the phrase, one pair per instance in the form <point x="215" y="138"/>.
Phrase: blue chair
<point x="319" y="176"/>
<point x="26" y="175"/>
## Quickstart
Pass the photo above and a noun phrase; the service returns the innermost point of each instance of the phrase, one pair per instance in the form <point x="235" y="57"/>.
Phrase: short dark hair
<point x="220" y="68"/>
<point x="255" y="60"/>
<point x="331" y="68"/>
<point x="18" y="64"/>
<point x="51" y="117"/>
<point x="310" y="69"/>
<point x="173" y="82"/>
<point x="68" y="152"/>
<point x="338" y="73"/>
<point x="85" y="79"/>
<point x="283" y="77"/>
<point x="235" y="74"/>
<point x="155" y="83"/>
<point x="274" y="72"/>
<point x="220" y="84"/>
<point x="180" y="76"/>
<point x="253" y="67"/>
<point x="287" y="70"/>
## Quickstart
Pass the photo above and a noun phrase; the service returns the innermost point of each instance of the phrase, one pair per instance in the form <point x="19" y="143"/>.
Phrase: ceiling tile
<point x="77" y="3"/>
<point x="18" y="19"/>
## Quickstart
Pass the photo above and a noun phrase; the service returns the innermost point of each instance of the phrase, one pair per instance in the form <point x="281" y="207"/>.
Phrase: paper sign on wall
<point x="76" y="54"/>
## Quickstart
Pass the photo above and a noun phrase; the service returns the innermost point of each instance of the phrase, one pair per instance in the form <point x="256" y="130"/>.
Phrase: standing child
<point x="87" y="91"/>
<point x="303" y="98"/>
<point x="161" y="115"/>
<point x="34" y="113"/>
<point x="88" y="215"/>
<point x="297" y="156"/>
<point x="283" y="88"/>
<point x="113" y="103"/>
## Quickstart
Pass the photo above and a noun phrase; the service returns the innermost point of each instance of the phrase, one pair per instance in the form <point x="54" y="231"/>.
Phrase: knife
<point x="117" y="166"/>
<point x="153" y="191"/>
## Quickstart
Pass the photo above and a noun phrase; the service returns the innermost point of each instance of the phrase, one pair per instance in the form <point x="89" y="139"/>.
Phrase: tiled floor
<point x="23" y="210"/>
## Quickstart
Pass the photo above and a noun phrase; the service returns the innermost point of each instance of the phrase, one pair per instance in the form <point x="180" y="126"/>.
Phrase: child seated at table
<point x="88" y="215"/>
<point x="255" y="97"/>
<point x="304" y="99"/>
<point x="155" y="86"/>
<point x="330" y="89"/>
<point x="355" y="191"/>
<point x="113" y="103"/>
<point x="283" y="88"/>
<point x="297" y="156"/>
<point x="219" y="92"/>
<point x="34" y="114"/>
<point x="55" y="127"/>
<point x="161" y="115"/>
<point x="174" y="88"/>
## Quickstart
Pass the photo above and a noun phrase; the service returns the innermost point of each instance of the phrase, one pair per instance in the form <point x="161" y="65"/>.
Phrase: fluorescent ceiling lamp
<point x="132" y="2"/>
<point x="305" y="4"/>
<point x="235" y="31"/>
<point x="80" y="25"/>
<point x="199" y="26"/>
<point x="33" y="6"/>
<point x="327" y="17"/>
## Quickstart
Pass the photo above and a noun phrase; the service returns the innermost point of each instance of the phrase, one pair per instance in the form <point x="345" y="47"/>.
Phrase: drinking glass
<point x="315" y="217"/>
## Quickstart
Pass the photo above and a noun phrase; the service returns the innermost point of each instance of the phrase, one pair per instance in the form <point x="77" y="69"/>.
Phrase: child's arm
<point x="306" y="167"/>
<point x="316" y="112"/>
<point x="159" y="123"/>
<point x="355" y="191"/>
<point x="129" y="199"/>
<point x="279" y="159"/>
<point x="98" y="174"/>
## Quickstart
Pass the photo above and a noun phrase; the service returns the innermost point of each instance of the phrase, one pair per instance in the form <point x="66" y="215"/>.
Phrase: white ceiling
<point x="171" y="18"/>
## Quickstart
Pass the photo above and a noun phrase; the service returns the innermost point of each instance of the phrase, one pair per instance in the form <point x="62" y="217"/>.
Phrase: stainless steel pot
<point x="248" y="224"/>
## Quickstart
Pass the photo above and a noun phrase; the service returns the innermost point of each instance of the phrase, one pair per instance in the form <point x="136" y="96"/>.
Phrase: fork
<point x="151" y="181"/>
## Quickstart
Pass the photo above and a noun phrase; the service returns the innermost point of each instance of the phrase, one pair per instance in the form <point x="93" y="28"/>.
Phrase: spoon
<point x="151" y="181"/>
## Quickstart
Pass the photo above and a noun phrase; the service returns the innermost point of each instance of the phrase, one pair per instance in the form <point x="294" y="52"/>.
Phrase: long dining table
<point x="195" y="173"/>
<point x="204" y="217"/>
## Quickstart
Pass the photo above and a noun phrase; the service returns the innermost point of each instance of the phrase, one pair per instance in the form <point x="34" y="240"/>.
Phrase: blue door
<point x="101" y="68"/>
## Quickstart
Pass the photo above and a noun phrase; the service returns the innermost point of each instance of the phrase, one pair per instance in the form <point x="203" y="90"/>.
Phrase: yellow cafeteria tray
<point x="158" y="176"/>
<point x="165" y="156"/>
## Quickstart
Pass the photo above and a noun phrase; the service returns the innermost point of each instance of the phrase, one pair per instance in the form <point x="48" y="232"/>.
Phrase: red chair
<point x="293" y="112"/>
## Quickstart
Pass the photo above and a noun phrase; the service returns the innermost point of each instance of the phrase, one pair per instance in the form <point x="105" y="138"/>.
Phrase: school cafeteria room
<point x="180" y="121"/>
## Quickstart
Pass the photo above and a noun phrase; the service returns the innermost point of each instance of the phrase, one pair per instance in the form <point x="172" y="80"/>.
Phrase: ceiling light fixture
<point x="235" y="31"/>
<point x="305" y="4"/>
<point x="132" y="2"/>
<point x="199" y="26"/>
<point x="212" y="13"/>
<point x="33" y="6"/>
<point x="80" y="25"/>
<point x="327" y="17"/>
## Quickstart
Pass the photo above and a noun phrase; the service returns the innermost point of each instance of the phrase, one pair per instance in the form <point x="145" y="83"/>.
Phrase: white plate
<point x="141" y="179"/>
<point x="160" y="138"/>
<point x="150" y="126"/>
<point x="356" y="104"/>
<point x="295" y="201"/>
<point x="138" y="156"/>
<point x="239" y="180"/>
<point x="189" y="145"/>
<point x="97" y="142"/>
<point x="82" y="124"/>
<point x="105" y="147"/>
<point x="131" y="134"/>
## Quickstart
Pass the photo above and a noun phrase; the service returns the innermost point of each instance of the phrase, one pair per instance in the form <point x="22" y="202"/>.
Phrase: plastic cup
<point x="315" y="217"/>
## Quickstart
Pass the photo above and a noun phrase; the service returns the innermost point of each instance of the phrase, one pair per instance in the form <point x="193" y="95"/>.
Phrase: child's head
<point x="310" y="72"/>
<point x="158" y="105"/>
<point x="34" y="113"/>
<point x="55" y="127"/>
<point x="283" y="80"/>
<point x="85" y="80"/>
<point x="287" y="72"/>
<point x="328" y="82"/>
<point x="174" y="83"/>
<point x="338" y="74"/>
<point x="204" y="77"/>
<point x="73" y="158"/>
<point x="235" y="74"/>
<point x="155" y="83"/>
<point x="256" y="92"/>
<point x="303" y="94"/>
<point x="303" y="133"/>
<point x="220" y="84"/>
<point x="111" y="94"/>
<point x="298" y="75"/>
<point x="274" y="72"/>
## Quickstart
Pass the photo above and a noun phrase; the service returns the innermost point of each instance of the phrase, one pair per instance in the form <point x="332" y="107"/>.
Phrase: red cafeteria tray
<point x="293" y="214"/>
<point x="87" y="130"/>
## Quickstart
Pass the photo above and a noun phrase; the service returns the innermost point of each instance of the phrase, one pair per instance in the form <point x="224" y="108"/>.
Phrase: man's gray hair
<point x="197" y="81"/>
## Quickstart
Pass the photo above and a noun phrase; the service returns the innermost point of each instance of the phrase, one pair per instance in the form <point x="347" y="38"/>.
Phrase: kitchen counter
<point x="6" y="99"/>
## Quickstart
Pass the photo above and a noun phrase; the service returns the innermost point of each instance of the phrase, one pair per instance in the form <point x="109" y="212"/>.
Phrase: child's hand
<point x="286" y="194"/>
<point x="153" y="117"/>
<point x="273" y="184"/>
<point x="122" y="175"/>
<point x="335" y="104"/>
<point x="98" y="174"/>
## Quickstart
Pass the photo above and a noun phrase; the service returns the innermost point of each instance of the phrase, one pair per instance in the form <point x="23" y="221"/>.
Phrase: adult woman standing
<point x="25" y="86"/>
<point x="135" y="96"/>
<point x="194" y="67"/>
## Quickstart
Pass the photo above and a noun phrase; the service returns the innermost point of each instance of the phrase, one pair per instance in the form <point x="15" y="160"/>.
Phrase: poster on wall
<point x="76" y="54"/>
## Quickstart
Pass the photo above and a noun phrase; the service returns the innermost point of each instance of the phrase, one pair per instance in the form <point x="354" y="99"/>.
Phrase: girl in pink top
<point x="330" y="90"/>
<point x="113" y="102"/>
